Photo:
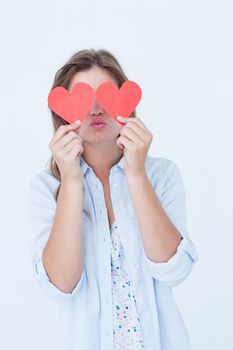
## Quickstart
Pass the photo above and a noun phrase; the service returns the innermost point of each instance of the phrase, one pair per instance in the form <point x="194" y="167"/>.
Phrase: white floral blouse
<point x="127" y="332"/>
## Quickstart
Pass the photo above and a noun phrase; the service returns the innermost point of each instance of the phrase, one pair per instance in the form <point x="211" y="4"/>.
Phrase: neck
<point x="101" y="157"/>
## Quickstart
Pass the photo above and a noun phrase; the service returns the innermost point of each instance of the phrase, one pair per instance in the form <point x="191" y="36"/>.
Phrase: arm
<point x="63" y="253"/>
<point x="57" y="247"/>
<point x="169" y="253"/>
<point x="160" y="243"/>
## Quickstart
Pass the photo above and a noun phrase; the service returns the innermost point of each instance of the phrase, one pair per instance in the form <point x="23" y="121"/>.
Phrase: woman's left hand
<point x="136" y="140"/>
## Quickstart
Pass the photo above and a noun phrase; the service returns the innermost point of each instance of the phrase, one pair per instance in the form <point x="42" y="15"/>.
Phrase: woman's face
<point x="94" y="77"/>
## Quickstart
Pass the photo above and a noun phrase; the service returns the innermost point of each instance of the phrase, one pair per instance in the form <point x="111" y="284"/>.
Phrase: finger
<point x="142" y="133"/>
<point x="134" y="120"/>
<point x="76" y="151"/>
<point x="64" y="140"/>
<point x="122" y="140"/>
<point x="132" y="135"/>
<point x="63" y="129"/>
<point x="70" y="145"/>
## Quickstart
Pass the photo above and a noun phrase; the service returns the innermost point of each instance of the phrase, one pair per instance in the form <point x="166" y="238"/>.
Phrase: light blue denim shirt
<point x="85" y="319"/>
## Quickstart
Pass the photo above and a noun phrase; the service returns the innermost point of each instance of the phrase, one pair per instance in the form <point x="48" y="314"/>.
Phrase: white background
<point x="181" y="54"/>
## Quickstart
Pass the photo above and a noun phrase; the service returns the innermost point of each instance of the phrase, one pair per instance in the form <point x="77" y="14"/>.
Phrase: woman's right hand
<point x="66" y="147"/>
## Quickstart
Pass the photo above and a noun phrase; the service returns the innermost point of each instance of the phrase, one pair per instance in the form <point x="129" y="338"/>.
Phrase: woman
<point x="109" y="224"/>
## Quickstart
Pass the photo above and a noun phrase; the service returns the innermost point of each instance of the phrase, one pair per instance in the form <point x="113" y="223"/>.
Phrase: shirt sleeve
<point x="41" y="211"/>
<point x="178" y="267"/>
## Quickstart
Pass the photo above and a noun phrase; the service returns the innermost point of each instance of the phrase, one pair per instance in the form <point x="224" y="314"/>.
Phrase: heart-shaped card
<point x="76" y="104"/>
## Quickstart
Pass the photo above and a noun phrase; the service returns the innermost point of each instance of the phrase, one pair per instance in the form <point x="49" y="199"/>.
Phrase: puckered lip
<point x="98" y="121"/>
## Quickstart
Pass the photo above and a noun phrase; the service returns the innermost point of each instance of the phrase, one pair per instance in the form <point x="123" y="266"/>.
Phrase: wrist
<point x="71" y="183"/>
<point x="139" y="176"/>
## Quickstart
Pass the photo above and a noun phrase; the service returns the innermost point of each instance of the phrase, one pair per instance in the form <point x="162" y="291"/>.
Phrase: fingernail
<point x="119" y="117"/>
<point x="78" y="121"/>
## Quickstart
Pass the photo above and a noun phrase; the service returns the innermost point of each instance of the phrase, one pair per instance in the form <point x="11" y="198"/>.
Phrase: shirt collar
<point x="86" y="166"/>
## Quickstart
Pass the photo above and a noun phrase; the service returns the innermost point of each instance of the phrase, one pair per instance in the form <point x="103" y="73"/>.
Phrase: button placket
<point x="105" y="281"/>
<point x="106" y="296"/>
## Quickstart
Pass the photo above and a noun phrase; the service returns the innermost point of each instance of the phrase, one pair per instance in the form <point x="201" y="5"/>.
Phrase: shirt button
<point x="105" y="270"/>
<point x="104" y="239"/>
<point x="100" y="211"/>
<point x="115" y="185"/>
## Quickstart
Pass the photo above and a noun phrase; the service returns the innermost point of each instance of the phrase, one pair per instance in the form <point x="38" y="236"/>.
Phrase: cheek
<point x="79" y="131"/>
<point x="118" y="126"/>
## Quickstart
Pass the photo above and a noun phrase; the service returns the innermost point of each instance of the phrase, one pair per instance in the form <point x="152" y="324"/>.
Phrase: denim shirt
<point x="85" y="319"/>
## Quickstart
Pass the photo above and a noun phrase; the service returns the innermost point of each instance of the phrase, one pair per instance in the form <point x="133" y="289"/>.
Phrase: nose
<point x="96" y="109"/>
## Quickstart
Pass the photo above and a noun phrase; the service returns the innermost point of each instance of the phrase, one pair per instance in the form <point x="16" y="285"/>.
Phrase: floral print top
<point x="127" y="332"/>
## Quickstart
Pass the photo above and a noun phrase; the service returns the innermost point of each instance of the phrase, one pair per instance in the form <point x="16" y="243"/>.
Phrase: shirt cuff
<point x="178" y="267"/>
<point x="50" y="289"/>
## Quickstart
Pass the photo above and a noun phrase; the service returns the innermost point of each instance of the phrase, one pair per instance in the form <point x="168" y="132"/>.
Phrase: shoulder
<point x="162" y="171"/>
<point x="44" y="182"/>
<point x="160" y="166"/>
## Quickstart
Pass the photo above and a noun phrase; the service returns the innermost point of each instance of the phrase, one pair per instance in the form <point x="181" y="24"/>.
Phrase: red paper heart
<point x="117" y="101"/>
<point x="71" y="105"/>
